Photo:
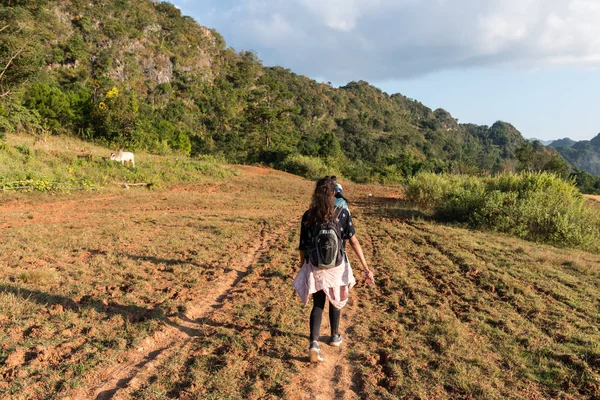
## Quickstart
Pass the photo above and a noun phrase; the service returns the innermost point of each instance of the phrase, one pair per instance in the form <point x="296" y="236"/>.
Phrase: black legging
<point x="317" y="314"/>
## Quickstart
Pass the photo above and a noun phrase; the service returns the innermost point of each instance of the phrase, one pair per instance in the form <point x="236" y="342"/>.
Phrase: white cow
<point x="123" y="157"/>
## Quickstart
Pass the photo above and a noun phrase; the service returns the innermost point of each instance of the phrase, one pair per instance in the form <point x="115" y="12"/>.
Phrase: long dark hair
<point x="323" y="204"/>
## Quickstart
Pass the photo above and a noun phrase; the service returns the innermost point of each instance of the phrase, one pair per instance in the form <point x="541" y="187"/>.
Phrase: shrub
<point x="159" y="147"/>
<point x="388" y="174"/>
<point x="357" y="170"/>
<point x="308" y="167"/>
<point x="427" y="190"/>
<point x="540" y="207"/>
<point x="463" y="195"/>
<point x="24" y="149"/>
<point x="18" y="119"/>
<point x="181" y="141"/>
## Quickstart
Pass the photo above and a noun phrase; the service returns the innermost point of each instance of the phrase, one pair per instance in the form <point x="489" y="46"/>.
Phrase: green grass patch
<point x="66" y="164"/>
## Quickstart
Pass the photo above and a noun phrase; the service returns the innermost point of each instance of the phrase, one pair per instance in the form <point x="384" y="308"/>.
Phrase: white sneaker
<point x="336" y="340"/>
<point x="314" y="352"/>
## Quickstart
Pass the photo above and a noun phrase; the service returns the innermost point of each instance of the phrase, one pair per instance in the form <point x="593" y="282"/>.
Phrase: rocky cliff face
<point x="139" y="44"/>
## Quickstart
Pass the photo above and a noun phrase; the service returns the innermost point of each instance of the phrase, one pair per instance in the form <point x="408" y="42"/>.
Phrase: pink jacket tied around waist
<point x="335" y="282"/>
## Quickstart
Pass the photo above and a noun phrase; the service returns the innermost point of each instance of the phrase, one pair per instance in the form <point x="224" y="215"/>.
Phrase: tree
<point x="329" y="146"/>
<point x="541" y="159"/>
<point x="115" y="118"/>
<point x="51" y="103"/>
<point x="525" y="156"/>
<point x="268" y="113"/>
<point x="21" y="53"/>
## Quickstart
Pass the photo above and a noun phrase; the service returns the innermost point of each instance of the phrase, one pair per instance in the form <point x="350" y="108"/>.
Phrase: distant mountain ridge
<point x="565" y="142"/>
<point x="583" y="155"/>
<point x="544" y="142"/>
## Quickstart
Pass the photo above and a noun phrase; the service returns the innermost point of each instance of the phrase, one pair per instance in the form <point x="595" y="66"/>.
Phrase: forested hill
<point x="138" y="75"/>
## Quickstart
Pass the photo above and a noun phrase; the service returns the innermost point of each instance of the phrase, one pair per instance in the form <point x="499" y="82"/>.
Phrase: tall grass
<point x="539" y="207"/>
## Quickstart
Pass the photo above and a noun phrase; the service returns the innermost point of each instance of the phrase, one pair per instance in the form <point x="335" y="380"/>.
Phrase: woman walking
<point x="325" y="273"/>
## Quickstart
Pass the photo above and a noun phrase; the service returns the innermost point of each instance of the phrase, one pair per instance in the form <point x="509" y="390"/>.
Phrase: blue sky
<point x="533" y="63"/>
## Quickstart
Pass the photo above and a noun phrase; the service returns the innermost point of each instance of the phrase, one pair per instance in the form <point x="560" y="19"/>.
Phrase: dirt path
<point x="125" y="377"/>
<point x="332" y="378"/>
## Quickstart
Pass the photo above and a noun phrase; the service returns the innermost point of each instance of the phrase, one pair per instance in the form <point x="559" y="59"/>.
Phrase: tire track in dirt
<point x="519" y="314"/>
<point x="474" y="275"/>
<point x="383" y="246"/>
<point x="372" y="245"/>
<point x="178" y="334"/>
<point x="440" y="282"/>
<point x="188" y="355"/>
<point x="452" y="294"/>
<point x="344" y="377"/>
<point x="503" y="296"/>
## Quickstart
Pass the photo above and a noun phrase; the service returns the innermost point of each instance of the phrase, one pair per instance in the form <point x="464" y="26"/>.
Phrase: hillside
<point x="136" y="74"/>
<point x="132" y="294"/>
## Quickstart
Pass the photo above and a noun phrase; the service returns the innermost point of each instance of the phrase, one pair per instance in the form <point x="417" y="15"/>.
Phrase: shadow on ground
<point x="151" y="259"/>
<point x="131" y="313"/>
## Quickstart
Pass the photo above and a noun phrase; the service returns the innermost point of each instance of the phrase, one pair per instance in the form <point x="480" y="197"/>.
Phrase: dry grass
<point x="87" y="278"/>
<point x="593" y="200"/>
<point x="592" y="197"/>
<point x="90" y="275"/>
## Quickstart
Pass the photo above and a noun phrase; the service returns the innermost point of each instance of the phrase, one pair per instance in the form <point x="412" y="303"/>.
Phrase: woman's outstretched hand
<point x="369" y="277"/>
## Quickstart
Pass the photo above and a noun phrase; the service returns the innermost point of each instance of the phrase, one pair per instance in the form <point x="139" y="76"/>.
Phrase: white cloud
<point x="391" y="39"/>
<point x="272" y="32"/>
<point x="341" y="15"/>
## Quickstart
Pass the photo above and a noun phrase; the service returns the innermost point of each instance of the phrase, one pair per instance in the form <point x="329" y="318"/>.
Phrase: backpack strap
<point x="336" y="215"/>
<point x="337" y="212"/>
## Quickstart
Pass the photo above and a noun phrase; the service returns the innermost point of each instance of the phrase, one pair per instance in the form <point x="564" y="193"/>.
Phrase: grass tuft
<point x="38" y="276"/>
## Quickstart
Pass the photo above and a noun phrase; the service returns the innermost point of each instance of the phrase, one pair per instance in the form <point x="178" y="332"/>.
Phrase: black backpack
<point x="325" y="249"/>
